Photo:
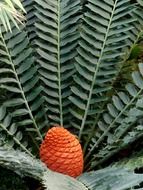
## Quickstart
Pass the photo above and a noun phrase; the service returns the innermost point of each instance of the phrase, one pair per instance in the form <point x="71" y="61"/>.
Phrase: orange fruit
<point x="62" y="152"/>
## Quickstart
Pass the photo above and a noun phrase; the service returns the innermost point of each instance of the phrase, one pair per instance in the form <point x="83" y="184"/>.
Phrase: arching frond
<point x="19" y="84"/>
<point x="104" y="41"/>
<point x="22" y="163"/>
<point x="57" y="30"/>
<point x="119" y="123"/>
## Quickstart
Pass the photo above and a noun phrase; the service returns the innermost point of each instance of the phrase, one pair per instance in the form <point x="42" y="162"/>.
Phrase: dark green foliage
<point x="101" y="53"/>
<point x="11" y="181"/>
<point x="30" y="19"/>
<point x="57" y="39"/>
<point x="120" y="124"/>
<point x="24" y="105"/>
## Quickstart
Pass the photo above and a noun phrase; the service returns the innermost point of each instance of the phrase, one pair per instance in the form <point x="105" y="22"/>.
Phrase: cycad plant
<point x="60" y="67"/>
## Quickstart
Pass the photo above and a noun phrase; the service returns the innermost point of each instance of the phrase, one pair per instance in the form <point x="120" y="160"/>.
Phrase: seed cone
<point x="61" y="152"/>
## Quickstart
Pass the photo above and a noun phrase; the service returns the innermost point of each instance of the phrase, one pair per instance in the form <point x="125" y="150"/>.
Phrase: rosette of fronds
<point x="70" y="77"/>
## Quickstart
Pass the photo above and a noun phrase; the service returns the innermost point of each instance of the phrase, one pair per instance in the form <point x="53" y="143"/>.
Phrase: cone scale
<point x="62" y="152"/>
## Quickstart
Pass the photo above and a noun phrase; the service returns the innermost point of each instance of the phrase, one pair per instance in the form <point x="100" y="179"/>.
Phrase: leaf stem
<point x="59" y="66"/>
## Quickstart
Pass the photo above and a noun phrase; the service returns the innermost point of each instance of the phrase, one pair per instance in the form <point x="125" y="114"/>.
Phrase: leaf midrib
<point x="59" y="64"/>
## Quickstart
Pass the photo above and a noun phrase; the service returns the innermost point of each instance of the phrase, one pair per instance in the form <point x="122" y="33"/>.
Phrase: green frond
<point x="25" y="165"/>
<point x="10" y="132"/>
<point x="140" y="2"/>
<point x="57" y="30"/>
<point x="119" y="121"/>
<point x="21" y="163"/>
<point x="103" y="48"/>
<point x="111" y="178"/>
<point x="137" y="30"/>
<point x="19" y="84"/>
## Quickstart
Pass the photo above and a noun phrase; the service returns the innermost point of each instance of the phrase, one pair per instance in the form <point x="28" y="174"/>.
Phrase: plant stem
<point x="59" y="66"/>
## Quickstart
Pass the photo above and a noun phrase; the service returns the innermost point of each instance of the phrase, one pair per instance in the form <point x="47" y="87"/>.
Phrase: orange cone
<point x="61" y="152"/>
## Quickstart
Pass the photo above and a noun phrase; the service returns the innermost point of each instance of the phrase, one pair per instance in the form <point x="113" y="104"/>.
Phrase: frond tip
<point x="8" y="13"/>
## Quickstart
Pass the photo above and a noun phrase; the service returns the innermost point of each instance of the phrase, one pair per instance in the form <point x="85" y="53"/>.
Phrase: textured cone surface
<point x="62" y="152"/>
